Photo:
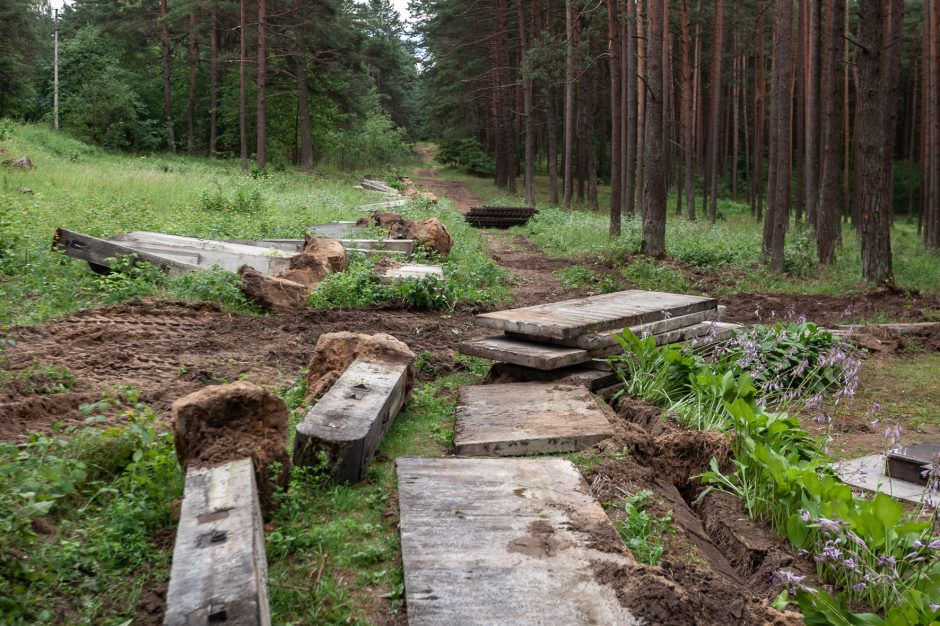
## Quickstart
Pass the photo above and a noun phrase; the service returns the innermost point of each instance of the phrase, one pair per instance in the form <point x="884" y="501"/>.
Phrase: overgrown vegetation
<point x="641" y="530"/>
<point x="186" y="196"/>
<point x="79" y="508"/>
<point x="466" y="154"/>
<point x="871" y="548"/>
<point x="730" y="252"/>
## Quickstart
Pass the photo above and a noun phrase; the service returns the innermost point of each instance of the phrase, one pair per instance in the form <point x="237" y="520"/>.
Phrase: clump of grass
<point x="214" y="285"/>
<point x="642" y="531"/>
<point x="648" y="274"/>
<point x="576" y="276"/>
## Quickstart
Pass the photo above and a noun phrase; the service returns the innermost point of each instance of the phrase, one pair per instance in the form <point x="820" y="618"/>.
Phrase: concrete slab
<point x="378" y="185"/>
<point x="528" y="418"/>
<point x="548" y="356"/>
<point x="605" y="339"/>
<point x="504" y="541"/>
<point x="219" y="571"/>
<point x="405" y="246"/>
<point x="414" y="271"/>
<point x="350" y="421"/>
<point x="911" y="463"/>
<point x="379" y="206"/>
<point x="867" y="473"/>
<point x="336" y="230"/>
<point x="573" y="318"/>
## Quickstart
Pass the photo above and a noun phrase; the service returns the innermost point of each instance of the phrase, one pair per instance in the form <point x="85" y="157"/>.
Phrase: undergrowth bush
<point x="641" y="530"/>
<point x="871" y="548"/>
<point x="129" y="279"/>
<point x="243" y="196"/>
<point x="468" y="155"/>
<point x="214" y="285"/>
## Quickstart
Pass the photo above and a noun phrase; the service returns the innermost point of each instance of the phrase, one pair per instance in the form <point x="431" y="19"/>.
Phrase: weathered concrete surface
<point x="219" y="572"/>
<point x="505" y="541"/>
<point x="335" y="352"/>
<point x="911" y="463"/>
<point x="549" y="356"/>
<point x="605" y="339"/>
<point x="573" y="318"/>
<point x="378" y="185"/>
<point x="400" y="272"/>
<point x="867" y="473"/>
<point x="350" y="421"/>
<point x="528" y="418"/>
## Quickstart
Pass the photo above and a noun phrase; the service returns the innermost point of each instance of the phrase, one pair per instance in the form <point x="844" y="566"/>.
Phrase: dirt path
<point x="533" y="271"/>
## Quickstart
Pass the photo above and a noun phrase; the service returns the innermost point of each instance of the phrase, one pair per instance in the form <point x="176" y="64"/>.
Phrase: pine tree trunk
<point x="243" y="84"/>
<point x="811" y="124"/>
<point x="191" y="99"/>
<point x="735" y="97"/>
<point x="551" y="132"/>
<point x="931" y="172"/>
<point x="303" y="97"/>
<point x="688" y="111"/>
<point x="642" y="41"/>
<point x="654" y="187"/>
<point x="261" y="149"/>
<point x="714" y="110"/>
<point x="529" y="171"/>
<point x="775" y="225"/>
<point x="630" y="81"/>
<point x="874" y="216"/>
<point x="829" y="206"/>
<point x="757" y="177"/>
<point x="912" y="143"/>
<point x="569" y="103"/>
<point x="167" y="98"/>
<point x="213" y="79"/>
<point x="613" y="44"/>
<point x="892" y="43"/>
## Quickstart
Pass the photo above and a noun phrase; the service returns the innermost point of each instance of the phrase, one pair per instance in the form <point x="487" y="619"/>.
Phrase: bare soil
<point x="717" y="567"/>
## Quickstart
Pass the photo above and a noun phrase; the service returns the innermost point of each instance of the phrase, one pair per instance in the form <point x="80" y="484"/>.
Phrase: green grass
<point x="82" y="188"/>
<point x="334" y="555"/>
<point x="728" y="252"/>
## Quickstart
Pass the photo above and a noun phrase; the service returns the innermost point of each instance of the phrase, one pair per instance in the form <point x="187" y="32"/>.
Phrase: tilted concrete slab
<point x="350" y="421"/>
<point x="528" y="418"/>
<point x="549" y="356"/>
<point x="504" y="541"/>
<point x="573" y="318"/>
<point x="868" y="473"/>
<point x="219" y="572"/>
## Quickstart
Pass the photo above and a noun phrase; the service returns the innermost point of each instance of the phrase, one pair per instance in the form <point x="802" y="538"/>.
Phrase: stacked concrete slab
<point x="545" y="339"/>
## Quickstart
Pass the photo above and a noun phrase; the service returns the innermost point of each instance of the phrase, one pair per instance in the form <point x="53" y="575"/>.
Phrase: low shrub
<point x="466" y="154"/>
<point x="214" y="285"/>
<point x="129" y="279"/>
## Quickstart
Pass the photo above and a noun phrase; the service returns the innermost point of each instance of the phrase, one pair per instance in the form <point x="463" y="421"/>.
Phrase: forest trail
<point x="533" y="270"/>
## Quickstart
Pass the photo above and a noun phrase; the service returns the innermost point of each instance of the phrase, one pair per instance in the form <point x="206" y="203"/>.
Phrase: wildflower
<point x="757" y="311"/>
<point x="859" y="586"/>
<point x="829" y="526"/>
<point x="822" y="418"/>
<point x="800" y="369"/>
<point x="804" y="515"/>
<point x="934" y="545"/>
<point x="886" y="561"/>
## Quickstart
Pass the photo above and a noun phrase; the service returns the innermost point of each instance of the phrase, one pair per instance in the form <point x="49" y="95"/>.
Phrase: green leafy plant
<point x="428" y="292"/>
<point x="642" y="531"/>
<point x="214" y="285"/>
<point x="468" y="155"/>
<point x="129" y="278"/>
<point x="576" y="276"/>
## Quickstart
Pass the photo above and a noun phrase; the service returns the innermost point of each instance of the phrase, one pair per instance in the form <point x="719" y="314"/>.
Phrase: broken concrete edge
<point x="219" y="571"/>
<point x="342" y="432"/>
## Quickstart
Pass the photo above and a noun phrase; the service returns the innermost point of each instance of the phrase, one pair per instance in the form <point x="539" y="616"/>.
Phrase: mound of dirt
<point x="892" y="338"/>
<point x="431" y="234"/>
<point x="225" y="423"/>
<point x="336" y="351"/>
<point x="717" y="568"/>
<point x="275" y="294"/>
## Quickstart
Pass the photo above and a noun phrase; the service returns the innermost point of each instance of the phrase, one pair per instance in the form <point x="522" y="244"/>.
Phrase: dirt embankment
<point x="717" y="567"/>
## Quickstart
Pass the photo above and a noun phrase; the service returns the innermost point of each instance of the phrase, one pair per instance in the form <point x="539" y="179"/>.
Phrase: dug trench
<point x="717" y="566"/>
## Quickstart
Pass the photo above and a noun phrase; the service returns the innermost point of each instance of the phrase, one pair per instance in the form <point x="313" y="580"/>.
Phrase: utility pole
<point x="55" y="70"/>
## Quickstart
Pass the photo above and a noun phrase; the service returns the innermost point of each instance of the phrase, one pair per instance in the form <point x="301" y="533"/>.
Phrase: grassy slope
<point x="81" y="188"/>
<point x="732" y="245"/>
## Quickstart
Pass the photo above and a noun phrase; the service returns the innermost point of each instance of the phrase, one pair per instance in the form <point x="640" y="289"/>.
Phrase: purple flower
<point x="859" y="586"/>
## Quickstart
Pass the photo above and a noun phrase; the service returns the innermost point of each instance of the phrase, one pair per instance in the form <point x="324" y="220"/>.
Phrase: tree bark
<point x="812" y="117"/>
<point x="630" y="81"/>
<point x="191" y="99"/>
<point x="213" y="79"/>
<point x="931" y="171"/>
<point x="529" y="171"/>
<point x="303" y="97"/>
<point x="714" y="111"/>
<point x="757" y="178"/>
<point x="613" y="45"/>
<point x="687" y="110"/>
<point x="828" y="207"/>
<point x="552" y="139"/>
<point x="874" y="216"/>
<point x="775" y="226"/>
<point x="243" y="84"/>
<point x="167" y="98"/>
<point x="654" y="187"/>
<point x="261" y="149"/>
<point x="569" y="103"/>
<point x="642" y="40"/>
